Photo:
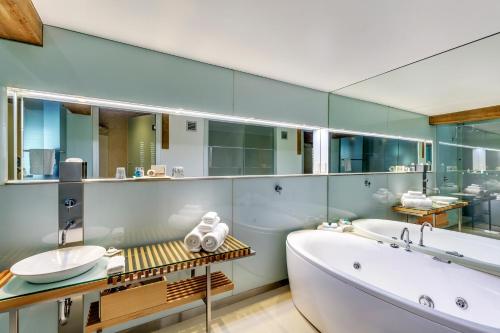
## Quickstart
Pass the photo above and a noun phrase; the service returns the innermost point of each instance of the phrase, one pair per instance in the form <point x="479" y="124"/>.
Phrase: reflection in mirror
<point x="53" y="131"/>
<point x="350" y="153"/>
<point x="469" y="167"/>
<point x="129" y="144"/>
<point x="240" y="149"/>
<point x="467" y="160"/>
<point x="126" y="140"/>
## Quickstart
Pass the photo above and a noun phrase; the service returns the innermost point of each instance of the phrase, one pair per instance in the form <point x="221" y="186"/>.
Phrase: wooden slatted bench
<point x="151" y="263"/>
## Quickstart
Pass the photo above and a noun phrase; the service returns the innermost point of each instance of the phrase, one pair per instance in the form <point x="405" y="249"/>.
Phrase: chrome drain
<point x="356" y="265"/>
<point x="461" y="303"/>
<point x="426" y="301"/>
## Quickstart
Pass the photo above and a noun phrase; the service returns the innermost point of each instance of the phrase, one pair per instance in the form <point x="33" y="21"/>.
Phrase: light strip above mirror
<point x="150" y="108"/>
<point x="189" y="113"/>
<point x="466" y="146"/>
<point x="378" y="135"/>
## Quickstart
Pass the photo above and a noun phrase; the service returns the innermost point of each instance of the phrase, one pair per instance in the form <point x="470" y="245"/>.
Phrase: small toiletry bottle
<point x="345" y="221"/>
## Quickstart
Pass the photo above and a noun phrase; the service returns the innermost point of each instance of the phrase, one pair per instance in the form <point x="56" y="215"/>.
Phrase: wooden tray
<point x="177" y="294"/>
<point x="120" y="303"/>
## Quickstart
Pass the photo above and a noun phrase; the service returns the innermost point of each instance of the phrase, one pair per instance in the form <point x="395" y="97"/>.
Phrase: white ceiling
<point x="462" y="79"/>
<point x="322" y="44"/>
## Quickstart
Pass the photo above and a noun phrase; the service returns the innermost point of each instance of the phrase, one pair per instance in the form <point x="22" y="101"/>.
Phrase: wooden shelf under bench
<point x="122" y="308"/>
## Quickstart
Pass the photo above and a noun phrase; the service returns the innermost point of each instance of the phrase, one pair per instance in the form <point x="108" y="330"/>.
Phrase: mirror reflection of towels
<point x="347" y="165"/>
<point x="42" y="161"/>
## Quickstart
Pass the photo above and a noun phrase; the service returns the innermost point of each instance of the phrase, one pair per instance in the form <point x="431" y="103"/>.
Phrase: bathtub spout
<point x="405" y="237"/>
<point x="425" y="224"/>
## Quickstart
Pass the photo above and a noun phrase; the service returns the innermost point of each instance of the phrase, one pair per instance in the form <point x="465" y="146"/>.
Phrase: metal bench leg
<point x="459" y="212"/>
<point x="208" y="300"/>
<point x="14" y="321"/>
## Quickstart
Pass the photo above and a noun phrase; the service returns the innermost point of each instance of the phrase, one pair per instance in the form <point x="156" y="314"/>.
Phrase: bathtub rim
<point x="438" y="317"/>
<point x="466" y="261"/>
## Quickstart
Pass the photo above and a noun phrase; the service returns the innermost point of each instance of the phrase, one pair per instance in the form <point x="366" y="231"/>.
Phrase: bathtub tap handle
<point x="405" y="237"/>
<point x="425" y="224"/>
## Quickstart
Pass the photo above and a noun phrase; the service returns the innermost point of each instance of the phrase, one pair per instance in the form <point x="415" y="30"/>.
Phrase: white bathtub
<point x="382" y="296"/>
<point x="478" y="252"/>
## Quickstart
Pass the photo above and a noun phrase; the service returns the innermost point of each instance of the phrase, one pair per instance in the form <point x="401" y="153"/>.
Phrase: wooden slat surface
<point x="5" y="276"/>
<point x="425" y="212"/>
<point x="19" y="21"/>
<point x="487" y="113"/>
<point x="178" y="293"/>
<point x="173" y="256"/>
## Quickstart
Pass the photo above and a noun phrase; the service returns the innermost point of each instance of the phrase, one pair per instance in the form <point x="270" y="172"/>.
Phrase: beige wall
<point x="117" y="124"/>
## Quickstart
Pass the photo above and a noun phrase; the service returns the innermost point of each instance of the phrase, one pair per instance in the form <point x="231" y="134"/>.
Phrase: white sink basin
<point x="444" y="199"/>
<point x="57" y="265"/>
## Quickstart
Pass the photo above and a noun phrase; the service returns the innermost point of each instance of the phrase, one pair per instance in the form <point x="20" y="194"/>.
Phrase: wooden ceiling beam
<point x="487" y="113"/>
<point x="19" y="21"/>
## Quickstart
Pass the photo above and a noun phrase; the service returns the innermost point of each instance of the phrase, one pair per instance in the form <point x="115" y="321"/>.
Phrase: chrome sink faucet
<point x="69" y="224"/>
<point x="425" y="224"/>
<point x="405" y="237"/>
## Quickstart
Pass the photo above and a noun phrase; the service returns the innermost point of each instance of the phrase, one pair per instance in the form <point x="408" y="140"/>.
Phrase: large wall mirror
<point x="467" y="156"/>
<point x="352" y="153"/>
<point x="108" y="139"/>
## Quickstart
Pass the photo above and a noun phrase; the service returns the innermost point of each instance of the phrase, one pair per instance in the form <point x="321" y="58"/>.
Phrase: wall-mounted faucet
<point x="70" y="203"/>
<point x="69" y="224"/>
<point x="367" y="183"/>
<point x="425" y="224"/>
<point x="278" y="188"/>
<point x="405" y="237"/>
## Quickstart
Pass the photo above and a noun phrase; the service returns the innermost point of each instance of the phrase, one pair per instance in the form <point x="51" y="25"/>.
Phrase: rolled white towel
<point x="473" y="190"/>
<point x="192" y="241"/>
<point x="208" y="227"/>
<point x="417" y="193"/>
<point x="210" y="217"/>
<point x="115" y="265"/>
<point x="344" y="228"/>
<point x="214" y="239"/>
<point x="413" y="196"/>
<point x="417" y="203"/>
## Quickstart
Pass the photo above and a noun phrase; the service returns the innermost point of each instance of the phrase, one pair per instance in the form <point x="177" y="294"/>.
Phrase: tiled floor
<point x="269" y="312"/>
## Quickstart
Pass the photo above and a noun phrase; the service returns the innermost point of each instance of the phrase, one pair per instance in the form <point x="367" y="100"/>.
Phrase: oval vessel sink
<point x="57" y="265"/>
<point x="444" y="199"/>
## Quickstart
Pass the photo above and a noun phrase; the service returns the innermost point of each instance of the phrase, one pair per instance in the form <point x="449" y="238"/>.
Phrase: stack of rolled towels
<point x="474" y="189"/>
<point x="208" y="235"/>
<point x="414" y="199"/>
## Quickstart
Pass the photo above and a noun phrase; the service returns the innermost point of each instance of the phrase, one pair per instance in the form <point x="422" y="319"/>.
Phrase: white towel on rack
<point x="192" y="241"/>
<point x="417" y="203"/>
<point x="208" y="227"/>
<point x="213" y="240"/>
<point x="210" y="217"/>
<point x="115" y="265"/>
<point x="42" y="161"/>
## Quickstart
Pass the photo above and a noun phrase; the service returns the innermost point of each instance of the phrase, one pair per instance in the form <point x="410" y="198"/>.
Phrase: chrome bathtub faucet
<point x="405" y="237"/>
<point x="425" y="224"/>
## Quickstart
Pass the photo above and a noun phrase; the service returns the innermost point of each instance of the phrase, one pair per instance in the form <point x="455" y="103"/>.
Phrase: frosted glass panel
<point x="263" y="218"/>
<point x="28" y="221"/>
